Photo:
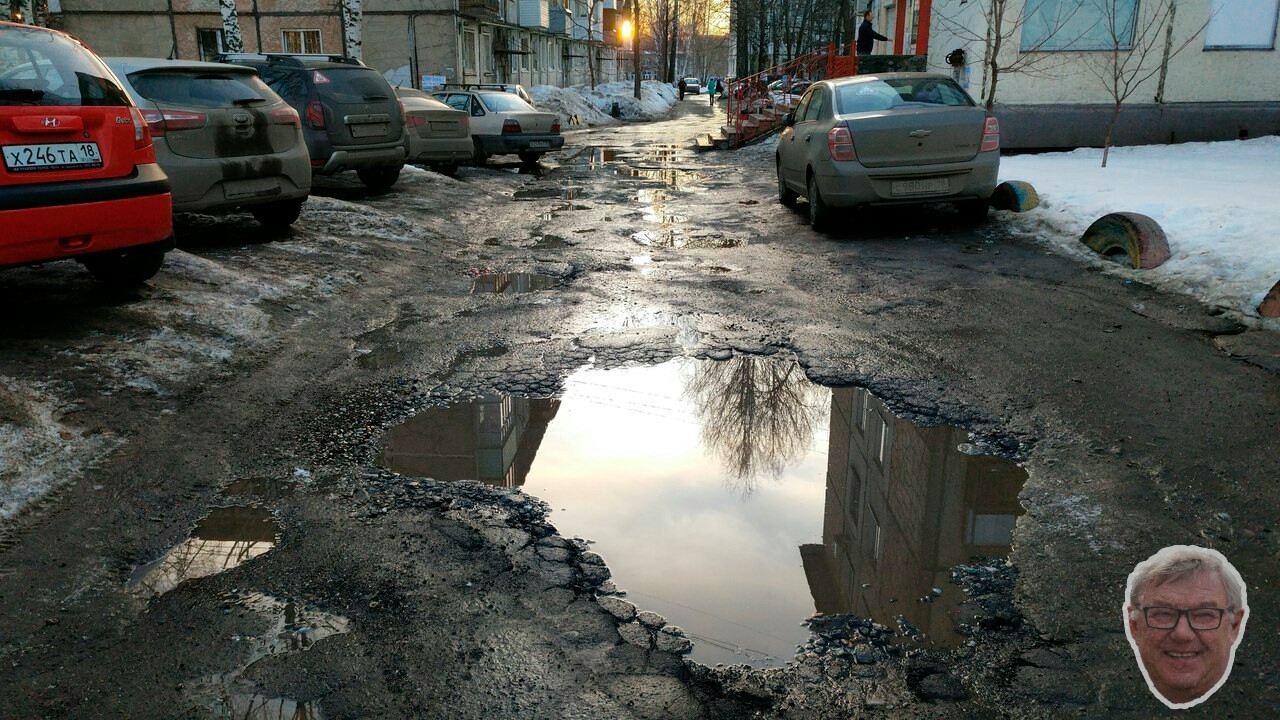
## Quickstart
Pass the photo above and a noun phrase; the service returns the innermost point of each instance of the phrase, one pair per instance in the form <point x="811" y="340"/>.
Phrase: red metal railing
<point x="752" y="111"/>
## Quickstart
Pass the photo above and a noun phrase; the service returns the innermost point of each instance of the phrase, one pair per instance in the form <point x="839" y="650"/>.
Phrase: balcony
<point x="480" y="8"/>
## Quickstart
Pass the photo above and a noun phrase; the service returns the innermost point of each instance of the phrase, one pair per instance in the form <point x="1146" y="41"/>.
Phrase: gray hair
<point x="1178" y="562"/>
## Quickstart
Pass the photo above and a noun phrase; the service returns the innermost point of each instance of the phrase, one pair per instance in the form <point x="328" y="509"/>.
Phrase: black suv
<point x="351" y="118"/>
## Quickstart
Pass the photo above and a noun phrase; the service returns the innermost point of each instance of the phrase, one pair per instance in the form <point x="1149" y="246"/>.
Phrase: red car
<point x="79" y="178"/>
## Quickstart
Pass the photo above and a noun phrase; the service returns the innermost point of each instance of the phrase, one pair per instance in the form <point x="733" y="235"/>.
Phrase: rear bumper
<point x="212" y="183"/>
<point x="35" y="235"/>
<point x="860" y="185"/>
<point x="146" y="180"/>
<point x="519" y="142"/>
<point x="441" y="150"/>
<point x="361" y="158"/>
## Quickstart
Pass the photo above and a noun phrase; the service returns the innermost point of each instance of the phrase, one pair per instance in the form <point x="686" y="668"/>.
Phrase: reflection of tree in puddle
<point x="294" y="627"/>
<point x="508" y="283"/>
<point x="903" y="507"/>
<point x="758" y="415"/>
<point x="222" y="540"/>
<point x="235" y="699"/>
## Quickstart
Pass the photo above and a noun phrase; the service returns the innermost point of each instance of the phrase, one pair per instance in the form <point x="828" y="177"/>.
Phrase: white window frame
<point x="217" y="33"/>
<point x="1077" y="24"/>
<point x="303" y="35"/>
<point x="1258" y="16"/>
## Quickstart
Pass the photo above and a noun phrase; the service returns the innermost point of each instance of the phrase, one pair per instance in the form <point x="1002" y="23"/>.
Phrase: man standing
<point x="867" y="36"/>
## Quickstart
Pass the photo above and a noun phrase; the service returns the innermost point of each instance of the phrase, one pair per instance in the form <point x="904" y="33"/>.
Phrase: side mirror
<point x="789" y="119"/>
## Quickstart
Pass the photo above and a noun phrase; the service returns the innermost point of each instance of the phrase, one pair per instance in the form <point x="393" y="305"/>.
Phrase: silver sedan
<point x="888" y="139"/>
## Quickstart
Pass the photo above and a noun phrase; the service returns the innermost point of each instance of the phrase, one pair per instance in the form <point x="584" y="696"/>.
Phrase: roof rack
<point x="505" y="87"/>
<point x="287" y="58"/>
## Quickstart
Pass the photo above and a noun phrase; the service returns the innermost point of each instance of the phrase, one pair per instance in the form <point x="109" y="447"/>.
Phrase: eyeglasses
<point x="1166" y="618"/>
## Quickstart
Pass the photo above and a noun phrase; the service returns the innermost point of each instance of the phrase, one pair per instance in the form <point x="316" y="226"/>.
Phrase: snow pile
<point x="592" y="106"/>
<point x="1215" y="202"/>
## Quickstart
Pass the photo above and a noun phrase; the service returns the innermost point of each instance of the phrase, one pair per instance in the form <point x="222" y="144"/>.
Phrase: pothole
<point x="511" y="283"/>
<point x="561" y="193"/>
<point x="666" y="219"/>
<point x="222" y="540"/>
<point x="670" y="177"/>
<point x="379" y="357"/>
<point x="551" y="242"/>
<point x="264" y="489"/>
<point x="736" y="497"/>
<point x="673" y="238"/>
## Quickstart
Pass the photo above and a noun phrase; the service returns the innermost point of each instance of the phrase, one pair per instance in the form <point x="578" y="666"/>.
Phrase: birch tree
<point x="232" y="42"/>
<point x="352" y="25"/>
<point x="1135" y="52"/>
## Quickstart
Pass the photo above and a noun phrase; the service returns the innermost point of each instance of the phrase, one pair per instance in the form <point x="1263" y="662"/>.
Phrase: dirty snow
<point x="591" y="106"/>
<point x="1215" y="202"/>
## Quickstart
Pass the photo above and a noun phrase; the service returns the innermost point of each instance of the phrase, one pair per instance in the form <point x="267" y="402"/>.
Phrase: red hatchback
<point x="79" y="178"/>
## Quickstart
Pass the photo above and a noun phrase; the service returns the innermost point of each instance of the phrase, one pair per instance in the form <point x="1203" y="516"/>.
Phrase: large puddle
<point x="225" y="538"/>
<point x="736" y="498"/>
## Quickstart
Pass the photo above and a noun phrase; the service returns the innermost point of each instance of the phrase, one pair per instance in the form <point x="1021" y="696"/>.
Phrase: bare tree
<point x="1000" y="28"/>
<point x="352" y="24"/>
<point x="231" y="39"/>
<point x="1134" y="52"/>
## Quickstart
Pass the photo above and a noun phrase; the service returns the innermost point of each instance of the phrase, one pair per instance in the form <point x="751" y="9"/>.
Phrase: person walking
<point x="867" y="36"/>
<point x="711" y="91"/>
<point x="681" y="86"/>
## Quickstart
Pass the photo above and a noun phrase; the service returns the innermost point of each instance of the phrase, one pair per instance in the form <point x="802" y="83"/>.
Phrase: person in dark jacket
<point x="867" y="36"/>
<point x="681" y="86"/>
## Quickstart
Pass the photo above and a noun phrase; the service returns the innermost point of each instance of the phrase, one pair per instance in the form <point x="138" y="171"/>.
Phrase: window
<point x="525" y="53"/>
<point x="1078" y="24"/>
<point x="469" y="51"/>
<point x="301" y="41"/>
<point x="209" y="43"/>
<point x="1241" y="25"/>
<point x="200" y="88"/>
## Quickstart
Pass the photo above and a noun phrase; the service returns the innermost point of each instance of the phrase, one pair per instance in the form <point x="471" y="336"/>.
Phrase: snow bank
<point x="592" y="106"/>
<point x="1215" y="201"/>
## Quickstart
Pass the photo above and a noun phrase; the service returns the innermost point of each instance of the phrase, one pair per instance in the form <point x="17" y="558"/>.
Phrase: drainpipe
<point x="257" y="22"/>
<point x="173" y="29"/>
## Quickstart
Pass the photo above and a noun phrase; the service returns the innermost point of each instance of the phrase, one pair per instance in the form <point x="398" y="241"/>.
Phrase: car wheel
<point x="529" y="157"/>
<point x="786" y="195"/>
<point x="378" y="178"/>
<point x="278" y="215"/>
<point x="819" y="213"/>
<point x="973" y="211"/>
<point x="449" y="169"/>
<point x="480" y="157"/>
<point x="125" y="269"/>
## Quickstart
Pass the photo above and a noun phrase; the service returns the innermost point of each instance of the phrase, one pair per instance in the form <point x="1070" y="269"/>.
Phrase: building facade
<point x="414" y="42"/>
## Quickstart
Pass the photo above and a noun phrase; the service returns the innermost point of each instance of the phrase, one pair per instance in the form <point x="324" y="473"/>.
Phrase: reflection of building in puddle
<point x="225" y="538"/>
<point x="670" y="177"/>
<point x="903" y="507"/>
<point x="509" y="283"/>
<point x="493" y="440"/>
<point x="227" y="697"/>
<point x="294" y="627"/>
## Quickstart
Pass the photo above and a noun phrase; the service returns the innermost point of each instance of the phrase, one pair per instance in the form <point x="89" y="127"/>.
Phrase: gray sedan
<point x="888" y="139"/>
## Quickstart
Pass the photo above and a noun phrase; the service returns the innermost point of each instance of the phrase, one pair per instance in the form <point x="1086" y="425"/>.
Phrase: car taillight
<point x="510" y="126"/>
<point x="840" y="144"/>
<point x="465" y="121"/>
<point x="414" y="121"/>
<point x="315" y="114"/>
<point x="555" y="126"/>
<point x="403" y="115"/>
<point x="286" y="116"/>
<point x="141" y="133"/>
<point x="163" y="121"/>
<point x="991" y="135"/>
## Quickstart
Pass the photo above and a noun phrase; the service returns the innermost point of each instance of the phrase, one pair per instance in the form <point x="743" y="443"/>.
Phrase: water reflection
<point x="757" y="415"/>
<point x="227" y="537"/>
<point x="903" y="506"/>
<point x="510" y="283"/>
<point x="294" y="627"/>
<point x="493" y="440"/>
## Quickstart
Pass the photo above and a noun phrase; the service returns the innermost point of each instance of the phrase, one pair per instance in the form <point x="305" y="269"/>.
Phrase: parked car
<point x="502" y="123"/>
<point x="692" y="86"/>
<point x="351" y="118"/>
<point x="888" y="139"/>
<point x="513" y="88"/>
<point x="438" y="135"/>
<point x="79" y="178"/>
<point x="787" y="93"/>
<point x="223" y="137"/>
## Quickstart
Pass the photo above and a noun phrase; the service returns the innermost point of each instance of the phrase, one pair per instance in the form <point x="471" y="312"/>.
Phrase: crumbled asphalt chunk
<point x="636" y="634"/>
<point x="651" y="619"/>
<point x="673" y="640"/>
<point x="617" y="607"/>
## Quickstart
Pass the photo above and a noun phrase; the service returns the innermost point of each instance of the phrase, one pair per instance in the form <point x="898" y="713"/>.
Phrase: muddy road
<point x="248" y="489"/>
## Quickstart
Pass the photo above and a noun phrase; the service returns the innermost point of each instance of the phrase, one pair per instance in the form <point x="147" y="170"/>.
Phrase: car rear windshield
<point x="200" y="88"/>
<point x="351" y="85"/>
<point x="503" y="102"/>
<point x="38" y="67"/>
<point x="891" y="93"/>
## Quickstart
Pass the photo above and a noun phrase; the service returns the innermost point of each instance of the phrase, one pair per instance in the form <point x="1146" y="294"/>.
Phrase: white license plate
<point x="368" y="130"/>
<point x="916" y="187"/>
<point x="51" y="156"/>
<point x="539" y="144"/>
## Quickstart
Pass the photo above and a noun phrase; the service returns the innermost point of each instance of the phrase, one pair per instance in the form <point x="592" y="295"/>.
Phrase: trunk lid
<point x="360" y="107"/>
<point x="917" y="135"/>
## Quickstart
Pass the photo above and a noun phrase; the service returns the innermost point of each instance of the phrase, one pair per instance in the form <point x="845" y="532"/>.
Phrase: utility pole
<point x="635" y="44"/>
<point x="675" y="40"/>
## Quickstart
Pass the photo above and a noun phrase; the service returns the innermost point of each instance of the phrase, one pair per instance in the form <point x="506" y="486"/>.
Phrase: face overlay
<point x="1184" y="664"/>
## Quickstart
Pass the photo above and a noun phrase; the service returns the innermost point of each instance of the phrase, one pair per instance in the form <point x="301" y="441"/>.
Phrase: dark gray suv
<point x="351" y="118"/>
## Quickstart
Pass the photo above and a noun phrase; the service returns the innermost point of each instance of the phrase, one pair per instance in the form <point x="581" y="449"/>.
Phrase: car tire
<point x="973" y="211"/>
<point x="449" y="169"/>
<point x="125" y="269"/>
<point x="278" y="215"/>
<point x="529" y="157"/>
<point x="480" y="157"/>
<point x="819" y="213"/>
<point x="786" y="195"/>
<point x="378" y="178"/>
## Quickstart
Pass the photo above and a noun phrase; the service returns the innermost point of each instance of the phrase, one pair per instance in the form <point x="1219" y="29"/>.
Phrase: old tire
<point x="127" y="268"/>
<point x="529" y="156"/>
<point x="1130" y="233"/>
<point x="450" y="168"/>
<point x="278" y="215"/>
<point x="378" y="178"/>
<point x="973" y="211"/>
<point x="819" y="213"/>
<point x="1015" y="195"/>
<point x="786" y="195"/>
